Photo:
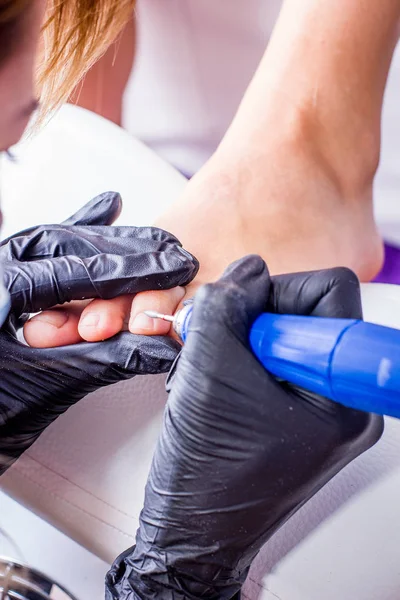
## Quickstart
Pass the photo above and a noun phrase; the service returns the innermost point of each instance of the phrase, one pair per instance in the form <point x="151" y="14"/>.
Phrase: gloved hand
<point x="85" y="258"/>
<point x="238" y="452"/>
<point x="81" y="258"/>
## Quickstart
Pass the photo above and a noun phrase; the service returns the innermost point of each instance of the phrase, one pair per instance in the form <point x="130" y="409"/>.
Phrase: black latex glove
<point x="239" y="452"/>
<point x="85" y="258"/>
<point x="81" y="258"/>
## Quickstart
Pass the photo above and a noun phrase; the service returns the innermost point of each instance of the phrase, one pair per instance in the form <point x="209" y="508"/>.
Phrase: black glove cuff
<point x="125" y="582"/>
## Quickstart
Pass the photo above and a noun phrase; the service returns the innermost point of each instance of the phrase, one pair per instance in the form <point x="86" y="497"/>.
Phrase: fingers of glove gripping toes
<point x="38" y="285"/>
<point x="104" y="363"/>
<point x="101" y="210"/>
<point x="64" y="375"/>
<point x="52" y="241"/>
<point x="328" y="293"/>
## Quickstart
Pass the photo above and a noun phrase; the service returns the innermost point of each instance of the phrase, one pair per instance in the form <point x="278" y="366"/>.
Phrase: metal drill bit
<point x="155" y="315"/>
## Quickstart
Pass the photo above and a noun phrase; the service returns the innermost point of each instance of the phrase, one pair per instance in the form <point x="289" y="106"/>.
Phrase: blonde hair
<point x="76" y="33"/>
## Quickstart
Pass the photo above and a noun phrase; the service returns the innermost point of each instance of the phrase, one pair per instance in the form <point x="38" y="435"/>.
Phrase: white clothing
<point x="193" y="62"/>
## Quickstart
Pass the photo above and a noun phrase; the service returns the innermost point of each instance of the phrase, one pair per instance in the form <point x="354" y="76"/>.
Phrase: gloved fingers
<point x="113" y="275"/>
<point x="92" y="365"/>
<point x="126" y="238"/>
<point x="51" y="241"/>
<point x="328" y="293"/>
<point x="234" y="301"/>
<point x="38" y="285"/>
<point x="141" y="354"/>
<point x="104" y="209"/>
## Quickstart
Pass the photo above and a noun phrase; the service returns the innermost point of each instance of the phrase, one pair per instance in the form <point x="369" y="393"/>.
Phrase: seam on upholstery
<point x="264" y="587"/>
<point x="77" y="486"/>
<point x="78" y="508"/>
<point x="260" y="585"/>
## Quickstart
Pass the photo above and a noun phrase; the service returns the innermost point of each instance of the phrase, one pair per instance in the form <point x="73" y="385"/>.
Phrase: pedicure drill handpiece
<point x="352" y="362"/>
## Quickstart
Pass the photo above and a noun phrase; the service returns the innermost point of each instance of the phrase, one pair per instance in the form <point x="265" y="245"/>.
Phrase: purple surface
<point x="390" y="272"/>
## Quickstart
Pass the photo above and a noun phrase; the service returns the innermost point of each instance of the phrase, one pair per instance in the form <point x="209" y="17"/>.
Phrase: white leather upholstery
<point x="86" y="474"/>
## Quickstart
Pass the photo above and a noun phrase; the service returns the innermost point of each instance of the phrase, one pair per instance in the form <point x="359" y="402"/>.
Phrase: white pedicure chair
<point x="87" y="472"/>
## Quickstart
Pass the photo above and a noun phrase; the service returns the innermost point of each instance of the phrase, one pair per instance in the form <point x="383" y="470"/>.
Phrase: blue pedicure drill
<point x="354" y="363"/>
